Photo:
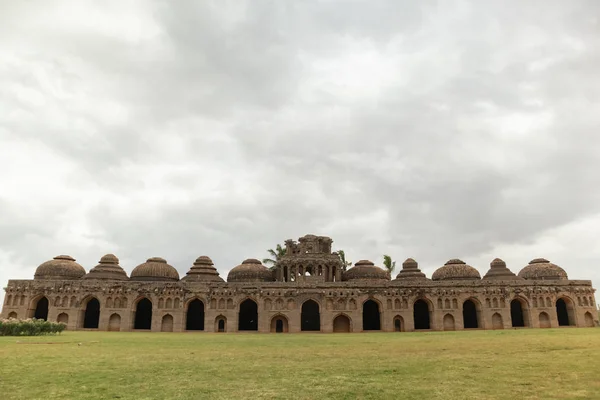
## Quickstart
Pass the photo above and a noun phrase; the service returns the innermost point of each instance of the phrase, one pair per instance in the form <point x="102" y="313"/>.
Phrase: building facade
<point x="309" y="289"/>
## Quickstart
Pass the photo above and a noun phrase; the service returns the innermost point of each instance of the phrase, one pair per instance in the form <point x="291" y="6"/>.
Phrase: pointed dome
<point x="455" y="269"/>
<point x="59" y="268"/>
<point x="499" y="271"/>
<point x="203" y="270"/>
<point x="365" y="270"/>
<point x="410" y="270"/>
<point x="108" y="268"/>
<point x="154" y="269"/>
<point x="542" y="269"/>
<point x="251" y="270"/>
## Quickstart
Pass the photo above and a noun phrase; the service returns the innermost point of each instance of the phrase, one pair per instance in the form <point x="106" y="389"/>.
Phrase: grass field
<point x="511" y="364"/>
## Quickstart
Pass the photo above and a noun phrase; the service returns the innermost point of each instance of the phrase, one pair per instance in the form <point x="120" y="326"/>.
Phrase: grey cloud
<point x="223" y="135"/>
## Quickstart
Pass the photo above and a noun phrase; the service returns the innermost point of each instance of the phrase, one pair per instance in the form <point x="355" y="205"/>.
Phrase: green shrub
<point x="29" y="327"/>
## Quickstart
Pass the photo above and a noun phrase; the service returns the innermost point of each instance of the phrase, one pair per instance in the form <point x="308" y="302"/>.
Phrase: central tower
<point x="309" y="259"/>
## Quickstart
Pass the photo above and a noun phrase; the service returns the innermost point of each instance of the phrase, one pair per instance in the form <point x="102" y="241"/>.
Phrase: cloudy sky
<point x="432" y="130"/>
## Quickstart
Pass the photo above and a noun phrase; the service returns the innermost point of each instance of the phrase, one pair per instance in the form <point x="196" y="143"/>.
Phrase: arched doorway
<point x="12" y="315"/>
<point x="371" y="316"/>
<point x="341" y="323"/>
<point x="470" y="315"/>
<point x="166" y="324"/>
<point x="41" y="309"/>
<point x="195" y="316"/>
<point x="449" y="322"/>
<point x="63" y="318"/>
<point x="221" y="324"/>
<point x="248" y="316"/>
<point x="497" y="322"/>
<point x="398" y="324"/>
<point x="114" y="323"/>
<point x="517" y="314"/>
<point x="564" y="312"/>
<point x="544" y="320"/>
<point x="421" y="314"/>
<point x="310" y="316"/>
<point x="91" y="317"/>
<point x="589" y="319"/>
<point x="279" y="324"/>
<point x="143" y="314"/>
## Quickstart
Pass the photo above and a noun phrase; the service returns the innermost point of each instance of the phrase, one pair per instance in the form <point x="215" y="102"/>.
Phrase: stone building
<point x="308" y="290"/>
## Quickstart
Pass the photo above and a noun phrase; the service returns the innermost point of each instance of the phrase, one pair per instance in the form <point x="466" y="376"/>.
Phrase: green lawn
<point x="512" y="364"/>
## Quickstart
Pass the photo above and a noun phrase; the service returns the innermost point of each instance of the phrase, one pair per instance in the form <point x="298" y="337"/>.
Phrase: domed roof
<point x="108" y="268"/>
<point x="203" y="270"/>
<point x="155" y="269"/>
<point x="251" y="270"/>
<point x="455" y="270"/>
<point x="542" y="269"/>
<point x="410" y="270"/>
<point x="499" y="271"/>
<point x="365" y="270"/>
<point x="59" y="268"/>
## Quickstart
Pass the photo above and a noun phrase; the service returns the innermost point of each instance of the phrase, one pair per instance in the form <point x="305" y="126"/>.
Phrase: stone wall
<point x="395" y="300"/>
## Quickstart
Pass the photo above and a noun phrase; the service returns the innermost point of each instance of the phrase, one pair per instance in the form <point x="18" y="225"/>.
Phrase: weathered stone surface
<point x="108" y="268"/>
<point x="266" y="300"/>
<point x="542" y="269"/>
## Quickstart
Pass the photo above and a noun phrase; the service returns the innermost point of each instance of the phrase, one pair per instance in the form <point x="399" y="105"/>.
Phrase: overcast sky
<point x="432" y="130"/>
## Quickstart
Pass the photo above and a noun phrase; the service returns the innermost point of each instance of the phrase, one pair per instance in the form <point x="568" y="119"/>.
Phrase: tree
<point x="342" y="256"/>
<point x="276" y="254"/>
<point x="389" y="264"/>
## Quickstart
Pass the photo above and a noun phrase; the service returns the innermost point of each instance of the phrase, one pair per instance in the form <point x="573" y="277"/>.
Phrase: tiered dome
<point x="542" y="269"/>
<point x="499" y="271"/>
<point x="365" y="270"/>
<point x="60" y="268"/>
<point x="203" y="270"/>
<point x="108" y="268"/>
<point x="410" y="270"/>
<point x="251" y="270"/>
<point x="455" y="270"/>
<point x="155" y="269"/>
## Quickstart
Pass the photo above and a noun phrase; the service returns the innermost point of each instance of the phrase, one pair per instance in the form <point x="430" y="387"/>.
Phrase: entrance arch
<point x="564" y="312"/>
<point x="371" y="316"/>
<point x="341" y="323"/>
<point x="470" y="320"/>
<point x="497" y="322"/>
<point x="248" y="316"/>
<point x="589" y="319"/>
<point x="143" y="314"/>
<point x="12" y="314"/>
<point x="166" y="324"/>
<point x="398" y="324"/>
<point x="195" y="316"/>
<point x="41" y="309"/>
<point x="279" y="324"/>
<point x="91" y="315"/>
<point x="221" y="324"/>
<point x="63" y="318"/>
<point x="114" y="323"/>
<point x="544" y="320"/>
<point x="421" y="314"/>
<point x="310" y="316"/>
<point x="518" y="313"/>
<point x="449" y="323"/>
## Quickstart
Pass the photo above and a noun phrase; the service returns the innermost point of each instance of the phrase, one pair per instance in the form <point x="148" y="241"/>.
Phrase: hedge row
<point x="29" y="327"/>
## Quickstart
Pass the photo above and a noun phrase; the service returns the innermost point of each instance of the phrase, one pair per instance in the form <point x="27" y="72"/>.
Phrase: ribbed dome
<point x="365" y="270"/>
<point x="251" y="270"/>
<point x="542" y="269"/>
<point x="60" y="268"/>
<point x="203" y="270"/>
<point x="499" y="271"/>
<point x="108" y="268"/>
<point x="155" y="269"/>
<point x="410" y="270"/>
<point x="455" y="270"/>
